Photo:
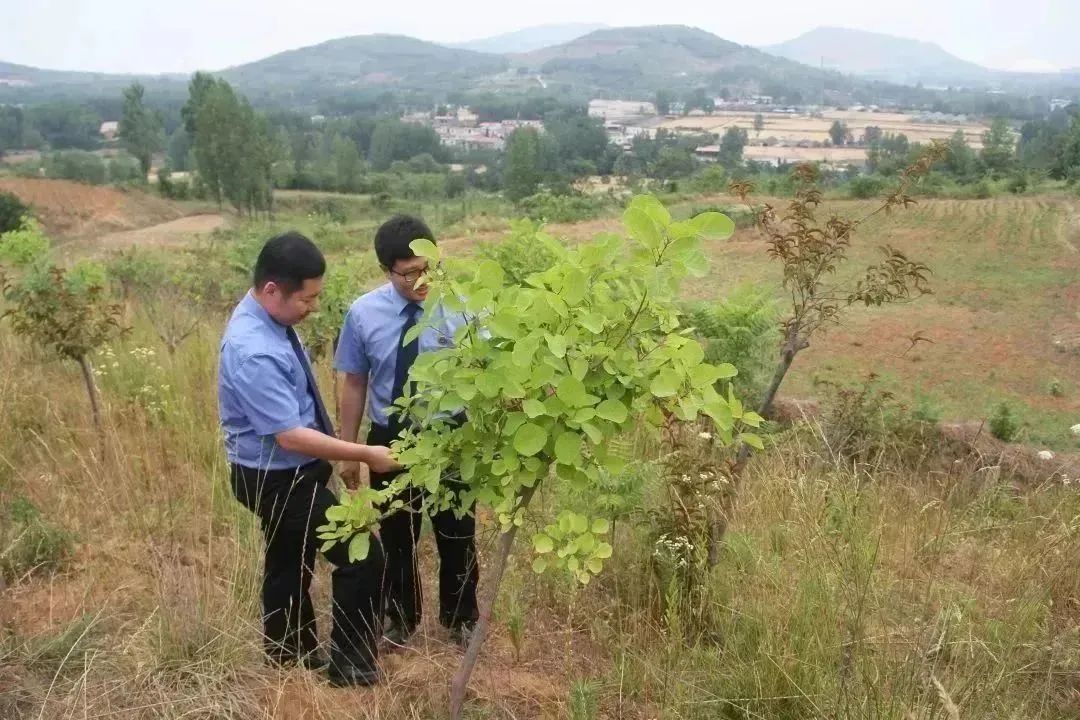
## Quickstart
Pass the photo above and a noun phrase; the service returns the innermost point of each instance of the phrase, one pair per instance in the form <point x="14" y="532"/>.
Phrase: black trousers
<point x="290" y="505"/>
<point x="455" y="539"/>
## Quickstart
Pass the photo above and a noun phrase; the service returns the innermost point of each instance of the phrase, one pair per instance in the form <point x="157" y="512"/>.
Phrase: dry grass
<point x="844" y="591"/>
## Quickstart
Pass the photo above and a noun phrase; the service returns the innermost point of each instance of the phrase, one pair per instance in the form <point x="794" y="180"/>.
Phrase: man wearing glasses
<point x="376" y="365"/>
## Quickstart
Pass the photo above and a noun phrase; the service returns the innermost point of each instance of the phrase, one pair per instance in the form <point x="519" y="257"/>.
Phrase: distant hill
<point x="530" y="38"/>
<point x="884" y="57"/>
<point x="391" y="61"/>
<point x="31" y="84"/>
<point x="645" y="59"/>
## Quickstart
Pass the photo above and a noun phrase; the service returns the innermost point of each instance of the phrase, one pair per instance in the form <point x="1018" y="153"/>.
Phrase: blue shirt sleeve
<point x="351" y="356"/>
<point x="266" y="394"/>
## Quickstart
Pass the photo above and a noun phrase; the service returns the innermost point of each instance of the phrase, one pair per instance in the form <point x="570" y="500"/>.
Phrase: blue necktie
<point x="406" y="355"/>
<point x="321" y="416"/>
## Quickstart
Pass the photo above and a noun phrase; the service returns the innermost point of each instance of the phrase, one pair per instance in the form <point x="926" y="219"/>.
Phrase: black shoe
<point x="461" y="633"/>
<point x="344" y="673"/>
<point x="397" y="635"/>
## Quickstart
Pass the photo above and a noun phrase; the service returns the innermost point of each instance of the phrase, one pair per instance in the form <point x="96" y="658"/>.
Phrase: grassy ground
<point x="880" y="590"/>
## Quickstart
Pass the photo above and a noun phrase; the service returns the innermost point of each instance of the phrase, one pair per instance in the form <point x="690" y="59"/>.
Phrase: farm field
<point x="844" y="590"/>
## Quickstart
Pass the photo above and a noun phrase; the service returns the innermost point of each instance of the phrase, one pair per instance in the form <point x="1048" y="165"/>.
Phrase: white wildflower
<point x="1046" y="455"/>
<point x="1075" y="429"/>
<point x="705" y="435"/>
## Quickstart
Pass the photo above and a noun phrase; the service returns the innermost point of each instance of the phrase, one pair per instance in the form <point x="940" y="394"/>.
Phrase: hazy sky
<point x="149" y="36"/>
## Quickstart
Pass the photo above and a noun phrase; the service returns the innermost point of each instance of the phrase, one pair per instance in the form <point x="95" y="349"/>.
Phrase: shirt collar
<point x="252" y="307"/>
<point x="398" y="302"/>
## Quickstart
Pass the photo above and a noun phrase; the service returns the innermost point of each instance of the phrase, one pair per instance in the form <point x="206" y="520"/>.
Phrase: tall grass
<point x="844" y="591"/>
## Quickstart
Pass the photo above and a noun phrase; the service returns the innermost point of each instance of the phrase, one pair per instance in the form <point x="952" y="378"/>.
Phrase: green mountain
<point x="393" y="62"/>
<point x="642" y="60"/>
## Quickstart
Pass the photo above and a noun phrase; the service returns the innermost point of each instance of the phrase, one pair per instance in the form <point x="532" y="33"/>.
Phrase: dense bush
<point x="569" y="207"/>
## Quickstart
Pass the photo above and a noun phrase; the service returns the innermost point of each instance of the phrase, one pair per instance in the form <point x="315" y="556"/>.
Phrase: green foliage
<point x="549" y="372"/>
<point x="23" y="246"/>
<point x="524" y="166"/>
<point x="997" y="152"/>
<point x="731" y="146"/>
<point x="28" y="543"/>
<point x="1004" y="424"/>
<point x="520" y="255"/>
<point x="124" y="169"/>
<point x="567" y="207"/>
<point x="234" y="153"/>
<point x="839" y="133"/>
<point x="61" y="311"/>
<point x="77" y="165"/>
<point x="740" y="329"/>
<point x="13" y="212"/>
<point x="140" y="128"/>
<point x="865" y="424"/>
<point x="865" y="187"/>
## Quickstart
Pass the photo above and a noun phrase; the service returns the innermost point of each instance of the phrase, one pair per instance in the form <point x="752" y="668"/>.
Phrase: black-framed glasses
<point x="413" y="275"/>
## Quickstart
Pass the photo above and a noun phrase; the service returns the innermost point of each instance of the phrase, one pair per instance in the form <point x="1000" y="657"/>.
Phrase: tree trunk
<point x="718" y="523"/>
<point x="91" y="391"/>
<point x="460" y="682"/>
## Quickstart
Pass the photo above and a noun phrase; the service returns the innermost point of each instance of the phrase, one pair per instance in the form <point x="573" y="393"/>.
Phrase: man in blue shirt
<point x="278" y="439"/>
<point x="376" y="365"/>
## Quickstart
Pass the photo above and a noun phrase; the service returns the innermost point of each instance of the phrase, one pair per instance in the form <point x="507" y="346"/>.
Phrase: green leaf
<point x="600" y="526"/>
<point x="525" y="350"/>
<point x="594" y="565"/>
<point x="533" y="408"/>
<point x="612" y="410"/>
<point x="490" y="274"/>
<point x="530" y="439"/>
<point x="425" y="248"/>
<point x="752" y="419"/>
<point x="572" y="392"/>
<point x="412" y="333"/>
<point x="714" y="225"/>
<point x="539" y="565"/>
<point x="578" y="523"/>
<point x="691" y="353"/>
<point x="603" y="551"/>
<point x="542" y="543"/>
<point x="654" y="208"/>
<point x="575" y="284"/>
<point x="593" y="322"/>
<point x="642" y="227"/>
<point x="593" y="432"/>
<point x="479" y="301"/>
<point x="359" y="546"/>
<point x="752" y="440"/>
<point x="665" y="384"/>
<point x="557" y="343"/>
<point x="568" y="448"/>
<point x="726" y="370"/>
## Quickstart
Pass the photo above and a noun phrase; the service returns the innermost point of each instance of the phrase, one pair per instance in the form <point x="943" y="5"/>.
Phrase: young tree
<point x="55" y="309"/>
<point x="522" y="172"/>
<point x="548" y="373"/>
<point x="759" y="124"/>
<point x="811" y="252"/>
<point x="961" y="160"/>
<point x="731" y="146"/>
<point x="997" y="152"/>
<point x="140" y="128"/>
<point x="838" y="133"/>
<point x="663" y="101"/>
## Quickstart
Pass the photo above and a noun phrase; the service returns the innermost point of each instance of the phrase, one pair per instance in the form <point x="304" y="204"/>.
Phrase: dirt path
<point x="174" y="232"/>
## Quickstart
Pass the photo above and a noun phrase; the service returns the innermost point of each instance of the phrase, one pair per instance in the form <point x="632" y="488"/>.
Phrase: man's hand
<point x="350" y="475"/>
<point x="380" y="460"/>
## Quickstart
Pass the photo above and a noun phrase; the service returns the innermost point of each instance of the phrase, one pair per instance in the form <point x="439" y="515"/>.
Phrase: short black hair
<point x="288" y="260"/>
<point x="393" y="237"/>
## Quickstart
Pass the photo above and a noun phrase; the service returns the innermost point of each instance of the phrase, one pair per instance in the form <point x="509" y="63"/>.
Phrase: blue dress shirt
<point x="369" y="340"/>
<point x="262" y="390"/>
